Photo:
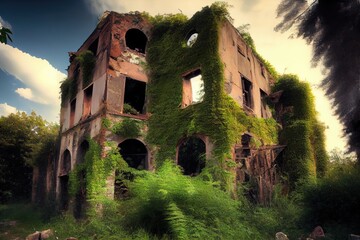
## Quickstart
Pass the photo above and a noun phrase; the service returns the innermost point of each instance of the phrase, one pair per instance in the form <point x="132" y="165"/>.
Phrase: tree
<point x="5" y="35"/>
<point x="24" y="141"/>
<point x="332" y="28"/>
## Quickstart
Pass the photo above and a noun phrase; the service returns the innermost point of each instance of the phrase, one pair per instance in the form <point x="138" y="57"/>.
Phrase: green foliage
<point x="127" y="108"/>
<point x="5" y="35"/>
<point x="170" y="205"/>
<point x="217" y="116"/>
<point x="25" y="140"/>
<point x="128" y="128"/>
<point x="87" y="62"/>
<point x="305" y="156"/>
<point x="68" y="90"/>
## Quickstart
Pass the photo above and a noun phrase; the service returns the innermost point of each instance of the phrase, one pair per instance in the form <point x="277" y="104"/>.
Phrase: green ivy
<point x="217" y="116"/>
<point x="305" y="156"/>
<point x="128" y="128"/>
<point x="87" y="62"/>
<point x="68" y="90"/>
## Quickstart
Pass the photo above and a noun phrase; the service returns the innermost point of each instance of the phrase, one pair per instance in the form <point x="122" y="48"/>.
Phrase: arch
<point x="80" y="196"/>
<point x="65" y="168"/>
<point x="65" y="163"/>
<point x="191" y="155"/>
<point x="136" y="40"/>
<point x="135" y="153"/>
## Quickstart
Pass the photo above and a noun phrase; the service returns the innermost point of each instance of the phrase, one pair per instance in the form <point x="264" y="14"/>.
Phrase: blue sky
<point x="44" y="31"/>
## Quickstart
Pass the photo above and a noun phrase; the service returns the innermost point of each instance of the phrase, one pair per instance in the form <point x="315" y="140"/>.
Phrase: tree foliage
<point x="25" y="141"/>
<point x="332" y="28"/>
<point x="5" y="35"/>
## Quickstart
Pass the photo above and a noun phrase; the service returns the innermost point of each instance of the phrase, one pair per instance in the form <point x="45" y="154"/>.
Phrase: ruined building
<point x="194" y="87"/>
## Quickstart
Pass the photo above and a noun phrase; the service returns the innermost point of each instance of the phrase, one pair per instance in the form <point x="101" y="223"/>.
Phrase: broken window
<point x="247" y="95"/>
<point x="191" y="38"/>
<point x="94" y="47"/>
<point x="72" y="112"/>
<point x="193" y="88"/>
<point x="134" y="99"/>
<point x="87" y="101"/>
<point x="136" y="40"/>
<point x="191" y="156"/>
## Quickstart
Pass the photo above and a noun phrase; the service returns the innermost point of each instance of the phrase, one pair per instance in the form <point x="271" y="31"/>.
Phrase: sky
<point x="44" y="31"/>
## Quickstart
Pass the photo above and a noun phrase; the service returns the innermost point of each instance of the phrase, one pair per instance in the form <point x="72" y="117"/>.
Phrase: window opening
<point x="191" y="156"/>
<point x="193" y="88"/>
<point x="134" y="99"/>
<point x="64" y="180"/>
<point x="136" y="40"/>
<point x="66" y="163"/>
<point x="263" y="97"/>
<point x="191" y="38"/>
<point x="87" y="101"/>
<point x="72" y="112"/>
<point x="247" y="95"/>
<point x="94" y="47"/>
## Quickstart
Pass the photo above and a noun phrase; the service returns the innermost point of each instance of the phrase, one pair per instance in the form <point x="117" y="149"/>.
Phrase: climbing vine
<point x="87" y="63"/>
<point x="217" y="116"/>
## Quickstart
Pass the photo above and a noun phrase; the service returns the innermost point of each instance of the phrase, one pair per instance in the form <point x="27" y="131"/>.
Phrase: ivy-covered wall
<point x="305" y="156"/>
<point x="217" y="116"/>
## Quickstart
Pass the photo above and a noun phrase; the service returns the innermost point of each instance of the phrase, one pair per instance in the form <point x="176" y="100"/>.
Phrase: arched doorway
<point x="80" y="196"/>
<point x="191" y="155"/>
<point x="136" y="40"/>
<point x="65" y="168"/>
<point x="135" y="154"/>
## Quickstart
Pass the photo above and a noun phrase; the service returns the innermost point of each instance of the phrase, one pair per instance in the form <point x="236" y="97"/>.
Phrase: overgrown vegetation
<point x="305" y="156"/>
<point x="217" y="116"/>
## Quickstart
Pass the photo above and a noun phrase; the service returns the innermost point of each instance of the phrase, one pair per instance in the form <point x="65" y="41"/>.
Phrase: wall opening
<point x="72" y="112"/>
<point x="245" y="143"/>
<point x="135" y="154"/>
<point x="193" y="88"/>
<point x="80" y="196"/>
<point x="136" y="40"/>
<point x="191" y="38"/>
<point x="64" y="180"/>
<point x="192" y="155"/>
<point x="263" y="97"/>
<point x="88" y="92"/>
<point x="247" y="94"/>
<point x="94" y="47"/>
<point x="134" y="99"/>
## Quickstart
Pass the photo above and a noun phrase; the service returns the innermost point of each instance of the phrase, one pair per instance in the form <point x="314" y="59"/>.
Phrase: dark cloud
<point x="332" y="27"/>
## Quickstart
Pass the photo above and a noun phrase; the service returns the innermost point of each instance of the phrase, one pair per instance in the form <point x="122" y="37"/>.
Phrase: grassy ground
<point x="18" y="220"/>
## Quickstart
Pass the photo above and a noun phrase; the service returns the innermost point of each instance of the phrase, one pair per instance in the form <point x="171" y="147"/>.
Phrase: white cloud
<point x="42" y="80"/>
<point x="6" y="109"/>
<point x="4" y="23"/>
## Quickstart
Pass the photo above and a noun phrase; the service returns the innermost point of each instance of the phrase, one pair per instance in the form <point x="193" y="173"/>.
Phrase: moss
<point x="217" y="116"/>
<point x="127" y="128"/>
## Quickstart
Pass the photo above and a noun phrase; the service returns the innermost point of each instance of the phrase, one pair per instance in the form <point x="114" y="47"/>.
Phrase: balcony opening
<point x="94" y="47"/>
<point x="88" y="92"/>
<point x="134" y="99"/>
<point x="247" y="94"/>
<point x="191" y="155"/>
<point x="135" y="154"/>
<point x="72" y="112"/>
<point x="193" y="88"/>
<point x="136" y="40"/>
<point x="80" y="195"/>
